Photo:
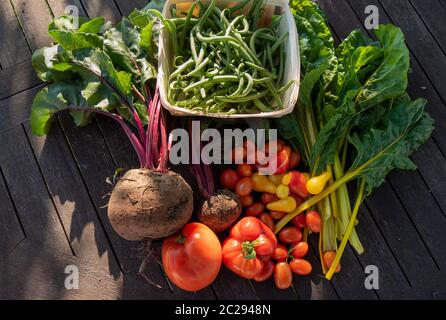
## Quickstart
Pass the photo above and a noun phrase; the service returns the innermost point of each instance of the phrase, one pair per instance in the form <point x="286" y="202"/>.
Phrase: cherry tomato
<point x="281" y="253"/>
<point x="244" y="187"/>
<point x="267" y="220"/>
<point x="249" y="244"/>
<point x="255" y="209"/>
<point x="277" y="215"/>
<point x="300" y="221"/>
<point x="329" y="257"/>
<point x="298" y="184"/>
<point x="192" y="259"/>
<point x="268" y="198"/>
<point x="314" y="221"/>
<point x="294" y="160"/>
<point x="282" y="275"/>
<point x="283" y="160"/>
<point x="244" y="170"/>
<point x="229" y="179"/>
<point x="290" y="235"/>
<point x="267" y="271"/>
<point x="301" y="267"/>
<point x="246" y="201"/>
<point x="299" y="250"/>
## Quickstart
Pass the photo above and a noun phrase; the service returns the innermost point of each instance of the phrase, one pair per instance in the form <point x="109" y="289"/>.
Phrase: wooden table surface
<point x="52" y="189"/>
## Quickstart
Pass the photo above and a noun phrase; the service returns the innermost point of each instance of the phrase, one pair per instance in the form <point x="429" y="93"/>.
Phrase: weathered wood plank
<point x="71" y="199"/>
<point x="35" y="272"/>
<point x="432" y="14"/>
<point x="105" y="8"/>
<point x="420" y="41"/>
<point x="14" y="48"/>
<point x="39" y="218"/>
<point x="58" y="7"/>
<point x="17" y="78"/>
<point x="128" y="6"/>
<point x="11" y="233"/>
<point x="34" y="17"/>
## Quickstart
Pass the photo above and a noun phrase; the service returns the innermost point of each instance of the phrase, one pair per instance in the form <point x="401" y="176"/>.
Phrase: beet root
<point x="147" y="204"/>
<point x="220" y="211"/>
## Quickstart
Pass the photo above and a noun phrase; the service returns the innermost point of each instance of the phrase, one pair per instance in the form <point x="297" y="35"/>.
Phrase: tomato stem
<point x="248" y="249"/>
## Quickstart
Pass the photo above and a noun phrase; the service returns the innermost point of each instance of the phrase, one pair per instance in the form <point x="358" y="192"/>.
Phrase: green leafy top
<point x="95" y="67"/>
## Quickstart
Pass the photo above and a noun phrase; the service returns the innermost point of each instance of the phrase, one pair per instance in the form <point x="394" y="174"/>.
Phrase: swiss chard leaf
<point x="402" y="130"/>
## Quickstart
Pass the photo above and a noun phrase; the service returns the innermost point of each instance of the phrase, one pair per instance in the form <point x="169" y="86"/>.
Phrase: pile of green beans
<point x="225" y="62"/>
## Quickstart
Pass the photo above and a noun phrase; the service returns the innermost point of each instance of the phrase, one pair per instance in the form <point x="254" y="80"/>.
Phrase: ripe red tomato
<point x="244" y="187"/>
<point x="281" y="253"/>
<point x="277" y="215"/>
<point x="269" y="197"/>
<point x="299" y="250"/>
<point x="267" y="220"/>
<point x="192" y="259"/>
<point x="329" y="257"/>
<point x="246" y="201"/>
<point x="314" y="221"/>
<point x="267" y="271"/>
<point x="290" y="235"/>
<point x="244" y="170"/>
<point x="300" y="221"/>
<point x="282" y="275"/>
<point x="283" y="160"/>
<point x="229" y="179"/>
<point x="301" y="267"/>
<point x="298" y="184"/>
<point x="255" y="209"/>
<point x="294" y="160"/>
<point x="250" y="243"/>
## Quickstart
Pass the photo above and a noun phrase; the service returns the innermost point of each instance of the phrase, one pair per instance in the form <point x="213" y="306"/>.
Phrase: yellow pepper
<point x="263" y="184"/>
<point x="282" y="191"/>
<point x="317" y="184"/>
<point x="287" y="204"/>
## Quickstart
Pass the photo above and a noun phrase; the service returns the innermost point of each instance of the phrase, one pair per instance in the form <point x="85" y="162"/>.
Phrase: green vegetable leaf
<point x="402" y="130"/>
<point x="68" y="95"/>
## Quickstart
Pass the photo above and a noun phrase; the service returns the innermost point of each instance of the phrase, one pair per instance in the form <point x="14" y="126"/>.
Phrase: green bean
<point x="249" y="86"/>
<point x="252" y="97"/>
<point x="181" y="68"/>
<point x="207" y="82"/>
<point x="186" y="23"/>
<point x="279" y="42"/>
<point x="261" y="106"/>
<point x="239" y="6"/>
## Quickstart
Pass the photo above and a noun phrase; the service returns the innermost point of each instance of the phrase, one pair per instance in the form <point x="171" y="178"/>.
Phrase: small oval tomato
<point x="267" y="220"/>
<point x="299" y="250"/>
<point x="329" y="257"/>
<point x="267" y="271"/>
<point x="244" y="170"/>
<point x="244" y="187"/>
<point x="300" y="221"/>
<point x="298" y="184"/>
<point x="277" y="215"/>
<point x="281" y="253"/>
<point x="246" y="201"/>
<point x="283" y="160"/>
<point x="282" y="275"/>
<point x="290" y="235"/>
<point x="192" y="259"/>
<point x="313" y="220"/>
<point x="294" y="160"/>
<point x="229" y="179"/>
<point x="250" y="243"/>
<point x="268" y="198"/>
<point x="301" y="267"/>
<point x="255" y="209"/>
